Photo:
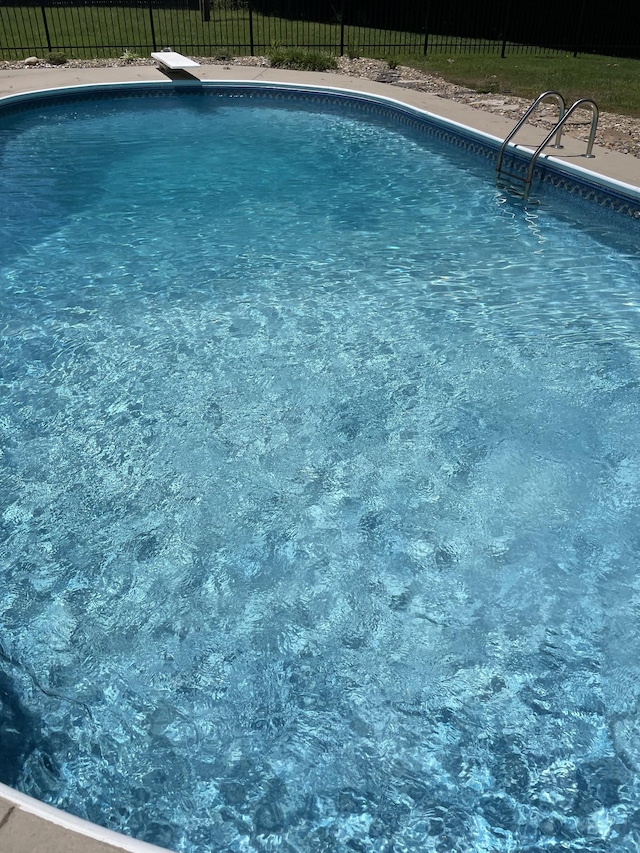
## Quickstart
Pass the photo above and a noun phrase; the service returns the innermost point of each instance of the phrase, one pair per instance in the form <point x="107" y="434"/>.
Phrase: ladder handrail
<point x="556" y="130"/>
<point x="582" y="102"/>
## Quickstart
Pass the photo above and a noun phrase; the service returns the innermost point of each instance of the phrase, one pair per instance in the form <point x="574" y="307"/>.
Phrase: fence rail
<point x="102" y="28"/>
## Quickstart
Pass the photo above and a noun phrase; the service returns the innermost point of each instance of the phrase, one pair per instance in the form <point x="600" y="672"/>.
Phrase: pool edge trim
<point x="58" y="817"/>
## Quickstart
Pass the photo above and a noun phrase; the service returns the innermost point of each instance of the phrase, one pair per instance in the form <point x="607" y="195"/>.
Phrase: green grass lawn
<point x="90" y="32"/>
<point x="613" y="83"/>
<point x="93" y="32"/>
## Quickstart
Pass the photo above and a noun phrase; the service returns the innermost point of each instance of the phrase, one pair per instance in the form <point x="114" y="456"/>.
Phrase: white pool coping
<point x="64" y="820"/>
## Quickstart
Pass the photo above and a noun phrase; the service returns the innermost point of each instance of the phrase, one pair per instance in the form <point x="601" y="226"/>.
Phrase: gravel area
<point x="616" y="132"/>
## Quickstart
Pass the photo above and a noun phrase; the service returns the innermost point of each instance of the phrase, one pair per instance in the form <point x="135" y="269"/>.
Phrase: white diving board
<point x="173" y="61"/>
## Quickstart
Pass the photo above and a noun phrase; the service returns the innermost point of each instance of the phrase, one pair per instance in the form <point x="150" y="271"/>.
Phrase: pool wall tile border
<point x="605" y="192"/>
<point x="30" y="805"/>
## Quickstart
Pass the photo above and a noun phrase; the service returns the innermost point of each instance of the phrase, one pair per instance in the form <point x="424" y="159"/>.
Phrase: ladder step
<point x="508" y="179"/>
<point x="514" y="175"/>
<point x="517" y="191"/>
<point x="520" y="189"/>
<point x="521" y="192"/>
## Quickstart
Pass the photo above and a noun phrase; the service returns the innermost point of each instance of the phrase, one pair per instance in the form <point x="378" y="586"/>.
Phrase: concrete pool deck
<point x="25" y="825"/>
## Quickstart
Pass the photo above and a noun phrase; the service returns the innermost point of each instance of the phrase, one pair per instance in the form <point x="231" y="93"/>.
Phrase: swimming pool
<point x="319" y="483"/>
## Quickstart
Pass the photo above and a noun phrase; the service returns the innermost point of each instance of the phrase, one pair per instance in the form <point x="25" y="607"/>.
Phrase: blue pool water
<point x="320" y="487"/>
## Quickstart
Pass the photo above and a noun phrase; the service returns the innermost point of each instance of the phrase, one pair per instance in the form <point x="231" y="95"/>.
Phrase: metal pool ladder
<point x="516" y="182"/>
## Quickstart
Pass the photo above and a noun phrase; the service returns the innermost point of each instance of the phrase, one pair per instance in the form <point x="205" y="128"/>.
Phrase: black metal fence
<point x="98" y="28"/>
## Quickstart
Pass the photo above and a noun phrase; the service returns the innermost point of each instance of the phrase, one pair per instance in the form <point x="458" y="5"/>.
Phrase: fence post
<point x="46" y="28"/>
<point x="153" y="29"/>
<point x="578" y="42"/>
<point x="426" y="28"/>
<point x="342" y="28"/>
<point x="505" y="28"/>
<point x="251" y="46"/>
